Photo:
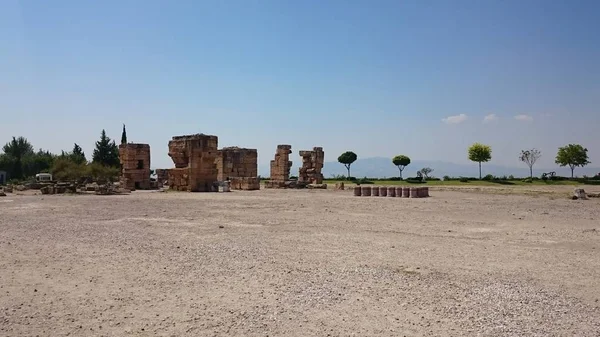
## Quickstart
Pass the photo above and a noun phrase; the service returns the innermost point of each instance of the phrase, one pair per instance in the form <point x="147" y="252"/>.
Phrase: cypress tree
<point x="124" y="135"/>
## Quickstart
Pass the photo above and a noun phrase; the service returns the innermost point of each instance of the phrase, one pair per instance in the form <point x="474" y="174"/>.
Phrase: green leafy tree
<point x="77" y="155"/>
<point x="15" y="151"/>
<point x="480" y="153"/>
<point x="572" y="155"/>
<point x="530" y="157"/>
<point x="124" y="135"/>
<point x="37" y="162"/>
<point x="106" y="152"/>
<point x="401" y="161"/>
<point x="347" y="158"/>
<point x="7" y="164"/>
<point x="65" y="169"/>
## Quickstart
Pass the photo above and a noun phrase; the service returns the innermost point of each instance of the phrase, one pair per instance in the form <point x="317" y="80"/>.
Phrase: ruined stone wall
<point x="281" y="165"/>
<point x="194" y="157"/>
<point x="135" y="166"/>
<point x="240" y="166"/>
<point x="162" y="175"/>
<point x="312" y="164"/>
<point x="244" y="183"/>
<point x="237" y="162"/>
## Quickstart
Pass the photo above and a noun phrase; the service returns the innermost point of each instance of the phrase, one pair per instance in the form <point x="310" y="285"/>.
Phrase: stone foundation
<point x="244" y="183"/>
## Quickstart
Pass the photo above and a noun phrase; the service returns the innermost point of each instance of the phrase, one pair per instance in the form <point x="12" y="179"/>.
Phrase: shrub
<point x="65" y="169"/>
<point x="363" y="181"/>
<point x="488" y="177"/>
<point x="101" y="173"/>
<point x="395" y="179"/>
<point x="527" y="180"/>
<point x="511" y="177"/>
<point x="433" y="179"/>
<point x="447" y="178"/>
<point x="463" y="180"/>
<point x="414" y="180"/>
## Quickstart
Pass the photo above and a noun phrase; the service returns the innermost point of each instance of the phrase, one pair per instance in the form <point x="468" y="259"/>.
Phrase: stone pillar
<point x="375" y="191"/>
<point x="366" y="191"/>
<point x="391" y="191"/>
<point x="383" y="191"/>
<point x="194" y="157"/>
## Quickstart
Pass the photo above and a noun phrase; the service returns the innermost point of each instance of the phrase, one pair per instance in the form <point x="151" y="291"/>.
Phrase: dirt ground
<point x="299" y="263"/>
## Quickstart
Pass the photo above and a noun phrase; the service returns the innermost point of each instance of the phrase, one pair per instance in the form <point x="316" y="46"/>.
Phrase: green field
<point x="475" y="183"/>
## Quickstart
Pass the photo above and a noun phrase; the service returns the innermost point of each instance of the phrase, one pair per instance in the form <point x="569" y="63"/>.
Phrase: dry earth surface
<point x="299" y="263"/>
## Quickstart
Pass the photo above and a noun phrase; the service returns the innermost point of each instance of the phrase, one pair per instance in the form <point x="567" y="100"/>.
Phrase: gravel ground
<point x="299" y="263"/>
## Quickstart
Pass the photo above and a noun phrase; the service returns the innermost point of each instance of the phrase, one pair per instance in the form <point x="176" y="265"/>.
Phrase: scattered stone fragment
<point x="579" y="193"/>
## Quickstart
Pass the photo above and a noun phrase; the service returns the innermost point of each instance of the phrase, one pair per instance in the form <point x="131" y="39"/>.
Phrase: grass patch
<point x="476" y="182"/>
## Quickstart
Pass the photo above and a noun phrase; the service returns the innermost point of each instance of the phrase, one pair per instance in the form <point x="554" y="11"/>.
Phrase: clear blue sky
<point x="376" y="77"/>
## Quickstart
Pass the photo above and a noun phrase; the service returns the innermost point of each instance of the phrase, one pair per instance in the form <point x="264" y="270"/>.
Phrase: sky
<point x="420" y="78"/>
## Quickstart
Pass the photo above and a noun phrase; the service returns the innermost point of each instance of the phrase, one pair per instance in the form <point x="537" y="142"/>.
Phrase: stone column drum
<point x="375" y="191"/>
<point x="357" y="191"/>
<point x="414" y="192"/>
<point x="398" y="192"/>
<point x="405" y="192"/>
<point x="391" y="191"/>
<point x="366" y="191"/>
<point x="383" y="191"/>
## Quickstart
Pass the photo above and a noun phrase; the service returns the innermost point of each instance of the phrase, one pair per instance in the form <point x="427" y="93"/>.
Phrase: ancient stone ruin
<point x="391" y="191"/>
<point x="312" y="164"/>
<point x="239" y="166"/>
<point x="162" y="176"/>
<point x="194" y="157"/>
<point x="135" y="166"/>
<point x="280" y="167"/>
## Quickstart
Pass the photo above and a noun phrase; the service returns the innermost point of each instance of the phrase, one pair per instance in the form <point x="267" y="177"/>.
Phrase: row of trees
<point x="401" y="161"/>
<point x="572" y="155"/>
<point x="20" y="161"/>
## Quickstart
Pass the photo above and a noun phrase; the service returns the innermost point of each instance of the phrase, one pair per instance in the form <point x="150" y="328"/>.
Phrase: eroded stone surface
<point x="135" y="166"/>
<point x="239" y="166"/>
<point x="280" y="167"/>
<point x="194" y="157"/>
<point x="312" y="164"/>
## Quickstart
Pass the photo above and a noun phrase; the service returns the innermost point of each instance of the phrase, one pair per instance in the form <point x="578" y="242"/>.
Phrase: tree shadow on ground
<point x="502" y="182"/>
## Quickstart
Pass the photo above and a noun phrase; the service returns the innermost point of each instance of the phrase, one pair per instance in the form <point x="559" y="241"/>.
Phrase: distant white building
<point x="43" y="177"/>
<point x="2" y="177"/>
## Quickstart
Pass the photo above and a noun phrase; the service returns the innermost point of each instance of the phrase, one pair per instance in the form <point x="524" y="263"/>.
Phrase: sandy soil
<point x="299" y="263"/>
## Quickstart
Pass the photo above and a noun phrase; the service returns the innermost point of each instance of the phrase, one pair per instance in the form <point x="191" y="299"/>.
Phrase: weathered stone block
<point x="135" y="166"/>
<point x="194" y="157"/>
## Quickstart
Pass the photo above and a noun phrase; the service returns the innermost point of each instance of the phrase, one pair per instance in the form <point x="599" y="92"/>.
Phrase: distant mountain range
<point x="380" y="167"/>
